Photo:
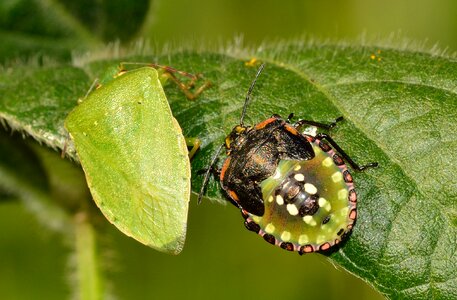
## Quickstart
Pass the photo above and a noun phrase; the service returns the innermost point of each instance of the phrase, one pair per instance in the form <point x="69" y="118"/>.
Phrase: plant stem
<point x="89" y="276"/>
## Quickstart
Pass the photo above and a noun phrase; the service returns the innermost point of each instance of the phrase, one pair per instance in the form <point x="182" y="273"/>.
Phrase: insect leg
<point x="354" y="165"/>
<point x="185" y="88"/>
<point x="216" y="172"/>
<point x="65" y="146"/>
<point x="300" y="123"/>
<point x="169" y="73"/>
<point x="193" y="142"/>
<point x="208" y="172"/>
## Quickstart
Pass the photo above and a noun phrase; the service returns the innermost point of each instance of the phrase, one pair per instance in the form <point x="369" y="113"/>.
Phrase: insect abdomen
<point x="310" y="205"/>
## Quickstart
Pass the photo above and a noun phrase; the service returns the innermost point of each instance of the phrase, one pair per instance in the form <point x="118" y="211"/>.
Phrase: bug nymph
<point x="293" y="189"/>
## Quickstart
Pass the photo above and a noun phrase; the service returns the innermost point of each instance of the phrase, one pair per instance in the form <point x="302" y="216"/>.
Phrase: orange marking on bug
<point x="291" y="129"/>
<point x="287" y="246"/>
<point x="352" y="196"/>
<point x="347" y="176"/>
<point x="233" y="195"/>
<point x="310" y="138"/>
<point x="224" y="168"/>
<point x="324" y="247"/>
<point x="353" y="214"/>
<point x="264" y="123"/>
<point x="308" y="249"/>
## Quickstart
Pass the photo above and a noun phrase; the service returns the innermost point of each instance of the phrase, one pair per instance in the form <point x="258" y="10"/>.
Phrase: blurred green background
<point x="221" y="259"/>
<point x="419" y="20"/>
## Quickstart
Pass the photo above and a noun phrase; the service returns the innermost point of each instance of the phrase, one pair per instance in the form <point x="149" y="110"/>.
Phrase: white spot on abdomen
<point x="292" y="209"/>
<point x="325" y="204"/>
<point x="279" y="200"/>
<point x="327" y="162"/>
<point x="285" y="236"/>
<point x="303" y="239"/>
<point x="309" y="220"/>
<point x="310" y="188"/>
<point x="270" y="228"/>
<point x="337" y="177"/>
<point x="342" y="194"/>
<point x="299" y="177"/>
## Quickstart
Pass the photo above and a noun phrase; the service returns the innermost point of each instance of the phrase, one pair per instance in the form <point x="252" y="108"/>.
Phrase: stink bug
<point x="293" y="188"/>
<point x="135" y="158"/>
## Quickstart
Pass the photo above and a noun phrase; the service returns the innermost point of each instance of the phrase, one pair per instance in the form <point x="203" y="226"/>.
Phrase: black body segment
<point x="255" y="158"/>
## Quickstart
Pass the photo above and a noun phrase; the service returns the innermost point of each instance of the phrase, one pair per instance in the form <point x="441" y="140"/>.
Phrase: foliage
<point x="399" y="106"/>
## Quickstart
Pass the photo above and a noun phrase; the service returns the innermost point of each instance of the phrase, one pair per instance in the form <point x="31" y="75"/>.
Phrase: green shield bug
<point x="135" y="158"/>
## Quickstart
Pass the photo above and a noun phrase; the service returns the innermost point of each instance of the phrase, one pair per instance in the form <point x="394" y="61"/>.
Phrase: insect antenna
<point x="216" y="155"/>
<point x="248" y="95"/>
<point x="207" y="173"/>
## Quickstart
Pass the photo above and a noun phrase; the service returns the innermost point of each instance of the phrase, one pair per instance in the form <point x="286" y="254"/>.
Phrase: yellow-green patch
<point x="319" y="227"/>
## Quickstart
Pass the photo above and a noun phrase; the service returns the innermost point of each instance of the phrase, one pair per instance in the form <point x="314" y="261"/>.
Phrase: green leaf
<point x="36" y="100"/>
<point x="399" y="108"/>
